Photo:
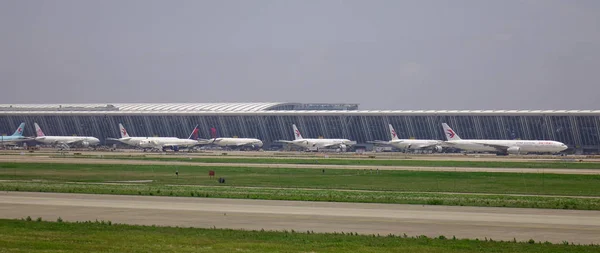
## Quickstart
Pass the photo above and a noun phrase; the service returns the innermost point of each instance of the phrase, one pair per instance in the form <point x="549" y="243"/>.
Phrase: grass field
<point x="390" y="197"/>
<point x="41" y="236"/>
<point x="411" y="181"/>
<point x="400" y="187"/>
<point x="367" y="162"/>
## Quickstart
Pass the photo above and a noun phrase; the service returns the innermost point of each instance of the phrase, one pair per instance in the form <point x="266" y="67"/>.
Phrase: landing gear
<point x="63" y="147"/>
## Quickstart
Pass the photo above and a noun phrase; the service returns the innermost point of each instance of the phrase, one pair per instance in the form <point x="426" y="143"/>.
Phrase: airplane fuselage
<point x="322" y="143"/>
<point x="84" y="140"/>
<point x="147" y="142"/>
<point x="13" y="139"/>
<point x="174" y="143"/>
<point x="414" y="144"/>
<point x="236" y="142"/>
<point x="515" y="146"/>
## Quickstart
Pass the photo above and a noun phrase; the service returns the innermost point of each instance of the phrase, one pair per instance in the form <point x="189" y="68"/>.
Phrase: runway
<point x="463" y="222"/>
<point x="42" y="159"/>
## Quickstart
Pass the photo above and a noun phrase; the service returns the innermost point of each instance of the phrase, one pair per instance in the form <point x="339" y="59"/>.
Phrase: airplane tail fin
<point x="393" y="132"/>
<point x="38" y="130"/>
<point x="297" y="135"/>
<point x="19" y="131"/>
<point x="194" y="135"/>
<point x="123" y="131"/>
<point x="213" y="132"/>
<point x="450" y="134"/>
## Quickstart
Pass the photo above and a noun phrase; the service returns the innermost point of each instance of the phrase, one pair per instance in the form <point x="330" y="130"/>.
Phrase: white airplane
<point x="408" y="144"/>
<point x="318" y="143"/>
<point x="503" y="147"/>
<point x="160" y="143"/>
<point x="233" y="142"/>
<point x="64" y="141"/>
<point x="237" y="142"/>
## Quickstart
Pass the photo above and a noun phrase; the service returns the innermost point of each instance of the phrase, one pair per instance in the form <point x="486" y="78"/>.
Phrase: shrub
<point x="435" y="202"/>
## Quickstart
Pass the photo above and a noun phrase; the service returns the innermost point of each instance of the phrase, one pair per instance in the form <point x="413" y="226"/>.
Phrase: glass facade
<point x="579" y="131"/>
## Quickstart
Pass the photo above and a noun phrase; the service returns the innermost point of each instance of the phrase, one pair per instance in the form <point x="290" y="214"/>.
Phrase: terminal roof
<point x="272" y="108"/>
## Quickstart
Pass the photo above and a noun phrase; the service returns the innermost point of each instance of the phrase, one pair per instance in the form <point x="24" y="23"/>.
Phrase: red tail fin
<point x="195" y="134"/>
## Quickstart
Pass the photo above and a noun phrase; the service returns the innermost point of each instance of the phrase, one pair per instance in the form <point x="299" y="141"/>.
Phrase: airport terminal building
<point x="580" y="130"/>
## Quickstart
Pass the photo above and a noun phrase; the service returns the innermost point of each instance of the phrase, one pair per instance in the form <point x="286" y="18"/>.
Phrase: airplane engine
<point x="85" y="143"/>
<point x="513" y="150"/>
<point x="438" y="149"/>
<point x="147" y="144"/>
<point x="144" y="143"/>
<point x="343" y="147"/>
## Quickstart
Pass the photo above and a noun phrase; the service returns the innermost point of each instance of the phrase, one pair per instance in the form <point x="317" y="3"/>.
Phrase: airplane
<point x="408" y="144"/>
<point x="233" y="142"/>
<point x="502" y="147"/>
<point x="15" y="137"/>
<point x="318" y="143"/>
<point x="64" y="141"/>
<point x="159" y="143"/>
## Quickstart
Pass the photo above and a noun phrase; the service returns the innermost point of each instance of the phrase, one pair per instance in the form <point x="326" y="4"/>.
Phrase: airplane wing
<point x="204" y="142"/>
<point x="118" y="139"/>
<point x="338" y="144"/>
<point x="245" y="144"/>
<point x="75" y="142"/>
<point x="284" y="141"/>
<point x="379" y="142"/>
<point x="168" y="145"/>
<point x="427" y="146"/>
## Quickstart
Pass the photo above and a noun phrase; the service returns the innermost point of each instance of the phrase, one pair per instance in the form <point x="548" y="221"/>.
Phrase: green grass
<point x="405" y="181"/>
<point x="34" y="236"/>
<point x="400" y="187"/>
<point x="367" y="162"/>
<point x="390" y="197"/>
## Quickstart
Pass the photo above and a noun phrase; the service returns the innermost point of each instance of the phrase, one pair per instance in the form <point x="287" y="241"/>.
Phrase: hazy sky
<point x="421" y="54"/>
